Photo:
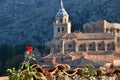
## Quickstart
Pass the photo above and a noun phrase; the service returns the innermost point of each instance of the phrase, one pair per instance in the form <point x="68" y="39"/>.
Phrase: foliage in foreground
<point x="59" y="71"/>
<point x="25" y="72"/>
<point x="13" y="55"/>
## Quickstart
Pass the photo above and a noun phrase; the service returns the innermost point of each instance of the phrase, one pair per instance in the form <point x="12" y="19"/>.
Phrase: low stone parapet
<point x="4" y="78"/>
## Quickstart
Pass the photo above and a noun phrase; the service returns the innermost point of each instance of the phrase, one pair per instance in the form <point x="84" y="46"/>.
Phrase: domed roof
<point x="62" y="12"/>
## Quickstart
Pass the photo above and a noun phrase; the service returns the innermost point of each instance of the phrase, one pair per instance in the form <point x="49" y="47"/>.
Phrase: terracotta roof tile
<point x="90" y="36"/>
<point x="69" y="35"/>
<point x="57" y="55"/>
<point x="81" y="62"/>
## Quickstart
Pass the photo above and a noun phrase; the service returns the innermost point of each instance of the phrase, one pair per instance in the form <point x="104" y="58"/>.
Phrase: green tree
<point x="10" y="56"/>
<point x="43" y="49"/>
<point x="6" y="52"/>
<point x="25" y="71"/>
<point x="20" y="48"/>
<point x="14" y="62"/>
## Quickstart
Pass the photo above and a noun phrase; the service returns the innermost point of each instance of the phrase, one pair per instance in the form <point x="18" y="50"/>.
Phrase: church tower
<point x="62" y="25"/>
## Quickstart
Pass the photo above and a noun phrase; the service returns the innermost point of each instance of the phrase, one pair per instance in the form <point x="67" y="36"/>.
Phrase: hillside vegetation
<point x="31" y="20"/>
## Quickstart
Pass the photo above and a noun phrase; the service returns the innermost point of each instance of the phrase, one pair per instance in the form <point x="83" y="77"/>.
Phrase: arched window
<point x="82" y="47"/>
<point x="90" y="45"/>
<point x="61" y="20"/>
<point x="107" y="30"/>
<point x="58" y="29"/>
<point x="111" y="46"/>
<point x="99" y="45"/>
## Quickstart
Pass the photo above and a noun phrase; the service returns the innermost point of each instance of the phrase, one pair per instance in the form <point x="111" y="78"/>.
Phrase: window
<point x="61" y="20"/>
<point x="81" y="45"/>
<point x="107" y="30"/>
<point x="117" y="30"/>
<point x="99" y="45"/>
<point x="58" y="29"/>
<point x="58" y="46"/>
<point x="90" y="45"/>
<point x="111" y="30"/>
<point x="61" y="59"/>
<point x="108" y="44"/>
<point x="62" y="28"/>
<point x="69" y="45"/>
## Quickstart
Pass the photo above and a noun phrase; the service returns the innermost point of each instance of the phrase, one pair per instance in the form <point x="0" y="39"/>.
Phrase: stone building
<point x="88" y="42"/>
<point x="61" y="26"/>
<point x="98" y="36"/>
<point x="103" y="26"/>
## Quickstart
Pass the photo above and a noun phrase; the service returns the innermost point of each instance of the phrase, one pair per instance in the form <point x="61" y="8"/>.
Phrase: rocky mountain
<point x="31" y="20"/>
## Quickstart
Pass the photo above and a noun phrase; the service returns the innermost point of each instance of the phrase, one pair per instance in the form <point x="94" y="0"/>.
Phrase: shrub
<point x="25" y="72"/>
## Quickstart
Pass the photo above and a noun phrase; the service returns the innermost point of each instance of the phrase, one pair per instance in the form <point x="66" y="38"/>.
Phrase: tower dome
<point x="62" y="12"/>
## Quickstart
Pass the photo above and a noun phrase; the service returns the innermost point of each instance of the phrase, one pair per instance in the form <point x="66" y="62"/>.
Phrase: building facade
<point x="103" y="26"/>
<point x="98" y="36"/>
<point x="79" y="42"/>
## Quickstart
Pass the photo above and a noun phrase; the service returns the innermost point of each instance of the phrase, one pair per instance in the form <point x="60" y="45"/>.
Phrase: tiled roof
<point x="116" y="56"/>
<point x="81" y="62"/>
<point x="78" y="61"/>
<point x="75" y="55"/>
<point x="94" y="36"/>
<point x="70" y="35"/>
<point x="57" y="55"/>
<point x="118" y="44"/>
<point x="90" y="36"/>
<point x="101" y="53"/>
<point x="61" y="13"/>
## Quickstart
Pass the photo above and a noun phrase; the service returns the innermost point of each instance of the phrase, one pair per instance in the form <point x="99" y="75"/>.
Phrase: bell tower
<point x="62" y="25"/>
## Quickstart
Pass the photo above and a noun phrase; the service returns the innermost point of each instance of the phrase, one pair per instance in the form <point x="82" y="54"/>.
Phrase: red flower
<point x="29" y="48"/>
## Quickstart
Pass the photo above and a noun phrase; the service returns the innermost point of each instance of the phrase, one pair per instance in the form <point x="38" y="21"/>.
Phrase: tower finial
<point x="62" y="11"/>
<point x="62" y="7"/>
